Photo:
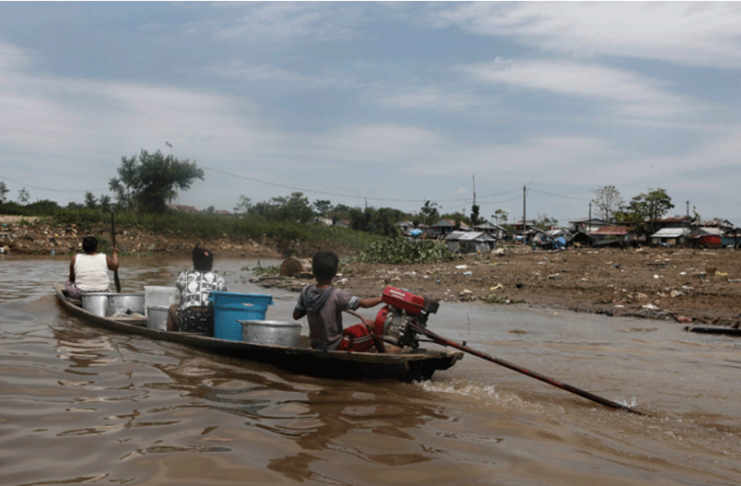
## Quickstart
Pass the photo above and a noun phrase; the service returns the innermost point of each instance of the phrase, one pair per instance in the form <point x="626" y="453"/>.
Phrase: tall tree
<point x="3" y="192"/>
<point x="23" y="196"/>
<point x="544" y="222"/>
<point x="243" y="205"/>
<point x="500" y="215"/>
<point x="105" y="202"/>
<point x="430" y="213"/>
<point x="608" y="201"/>
<point x="148" y="182"/>
<point x="646" y="207"/>
<point x="90" y="200"/>
<point x="322" y="207"/>
<point x="474" y="215"/>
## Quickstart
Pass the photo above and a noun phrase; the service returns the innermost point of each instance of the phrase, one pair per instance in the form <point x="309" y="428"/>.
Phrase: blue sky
<point x="385" y="103"/>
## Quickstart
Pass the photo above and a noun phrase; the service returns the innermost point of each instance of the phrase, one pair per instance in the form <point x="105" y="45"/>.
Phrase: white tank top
<point x="91" y="272"/>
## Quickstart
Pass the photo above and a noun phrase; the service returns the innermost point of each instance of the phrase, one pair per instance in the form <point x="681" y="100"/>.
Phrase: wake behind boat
<point x="419" y="364"/>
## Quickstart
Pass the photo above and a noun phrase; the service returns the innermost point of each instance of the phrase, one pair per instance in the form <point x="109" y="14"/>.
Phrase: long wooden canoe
<point x="418" y="365"/>
<point x="729" y="331"/>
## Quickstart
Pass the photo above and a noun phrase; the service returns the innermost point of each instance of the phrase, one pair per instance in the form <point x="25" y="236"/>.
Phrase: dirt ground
<point x="698" y="286"/>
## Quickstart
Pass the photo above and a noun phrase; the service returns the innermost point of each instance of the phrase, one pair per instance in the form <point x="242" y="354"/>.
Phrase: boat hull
<point x="413" y="366"/>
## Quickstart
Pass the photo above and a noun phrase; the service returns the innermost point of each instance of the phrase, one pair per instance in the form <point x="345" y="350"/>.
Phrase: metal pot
<point x="126" y="303"/>
<point x="275" y="333"/>
<point x="157" y="317"/>
<point x="95" y="303"/>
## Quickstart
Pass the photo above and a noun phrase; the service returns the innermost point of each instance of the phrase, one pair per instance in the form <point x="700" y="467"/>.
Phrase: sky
<point x="380" y="104"/>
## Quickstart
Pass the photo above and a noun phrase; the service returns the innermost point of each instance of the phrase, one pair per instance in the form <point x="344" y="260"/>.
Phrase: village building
<point x="185" y="209"/>
<point x="470" y="241"/>
<point x="442" y="228"/>
<point x="619" y="234"/>
<point x="586" y="225"/>
<point x="670" y="236"/>
<point x="493" y="229"/>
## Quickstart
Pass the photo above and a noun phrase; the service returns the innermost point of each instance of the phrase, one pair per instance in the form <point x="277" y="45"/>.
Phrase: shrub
<point x="400" y="250"/>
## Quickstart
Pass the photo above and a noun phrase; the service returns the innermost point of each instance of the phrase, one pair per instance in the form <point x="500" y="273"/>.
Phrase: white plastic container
<point x="157" y="318"/>
<point x="160" y="296"/>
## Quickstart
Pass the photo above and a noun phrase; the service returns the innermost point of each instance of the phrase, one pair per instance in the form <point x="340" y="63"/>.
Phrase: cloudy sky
<point x="387" y="104"/>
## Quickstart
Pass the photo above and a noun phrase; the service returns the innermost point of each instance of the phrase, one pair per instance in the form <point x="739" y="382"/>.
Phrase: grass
<point x="285" y="235"/>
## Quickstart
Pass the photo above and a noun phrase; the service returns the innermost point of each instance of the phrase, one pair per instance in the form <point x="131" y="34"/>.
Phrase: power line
<point x="326" y="193"/>
<point x="52" y="190"/>
<point x="557" y="195"/>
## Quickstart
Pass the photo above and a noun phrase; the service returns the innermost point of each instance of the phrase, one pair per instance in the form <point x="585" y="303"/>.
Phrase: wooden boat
<point x="728" y="331"/>
<point x="420" y="364"/>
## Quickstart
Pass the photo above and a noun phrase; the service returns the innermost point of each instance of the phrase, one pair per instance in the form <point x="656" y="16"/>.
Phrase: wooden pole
<point x="572" y="389"/>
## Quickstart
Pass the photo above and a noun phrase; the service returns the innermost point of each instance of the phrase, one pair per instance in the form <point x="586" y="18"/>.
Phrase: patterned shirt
<point x="195" y="288"/>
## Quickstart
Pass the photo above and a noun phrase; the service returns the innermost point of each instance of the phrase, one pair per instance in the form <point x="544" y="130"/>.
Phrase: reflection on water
<point x="84" y="405"/>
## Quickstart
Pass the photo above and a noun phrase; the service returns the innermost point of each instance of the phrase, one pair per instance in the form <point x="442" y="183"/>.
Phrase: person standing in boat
<point x="322" y="304"/>
<point x="88" y="272"/>
<point x="195" y="313"/>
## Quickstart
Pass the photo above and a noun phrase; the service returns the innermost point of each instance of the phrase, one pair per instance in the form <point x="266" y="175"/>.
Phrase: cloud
<point x="629" y="94"/>
<point x="693" y="34"/>
<point x="49" y="118"/>
<point x="281" y="22"/>
<point x="425" y="97"/>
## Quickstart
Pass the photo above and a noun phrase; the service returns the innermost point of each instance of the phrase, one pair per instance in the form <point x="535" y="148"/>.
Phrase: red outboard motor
<point x="403" y="307"/>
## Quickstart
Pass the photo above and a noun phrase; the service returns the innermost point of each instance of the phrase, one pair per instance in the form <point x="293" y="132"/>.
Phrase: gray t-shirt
<point x="325" y="322"/>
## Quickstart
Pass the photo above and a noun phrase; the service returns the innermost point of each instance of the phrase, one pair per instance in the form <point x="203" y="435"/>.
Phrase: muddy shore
<point x="697" y="286"/>
<point x="686" y="286"/>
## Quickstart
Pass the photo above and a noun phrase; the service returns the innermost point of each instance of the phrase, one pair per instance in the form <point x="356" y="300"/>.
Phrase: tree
<point x="294" y="208"/>
<point x="474" y="215"/>
<point x="383" y="222"/>
<point x="608" y="202"/>
<point x="322" y="207"/>
<point x="339" y="212"/>
<point x="3" y="191"/>
<point x="429" y="212"/>
<point x="648" y="206"/>
<point x="149" y="182"/>
<point x="544" y="222"/>
<point x="23" y="196"/>
<point x="90" y="200"/>
<point x="500" y="215"/>
<point x="105" y="202"/>
<point x="243" y="205"/>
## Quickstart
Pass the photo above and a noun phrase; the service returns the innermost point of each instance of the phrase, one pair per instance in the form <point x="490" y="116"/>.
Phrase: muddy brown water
<point x="84" y="405"/>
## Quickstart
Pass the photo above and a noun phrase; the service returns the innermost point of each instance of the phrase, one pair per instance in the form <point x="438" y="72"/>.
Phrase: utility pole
<point x="524" y="214"/>
<point x="589" y="224"/>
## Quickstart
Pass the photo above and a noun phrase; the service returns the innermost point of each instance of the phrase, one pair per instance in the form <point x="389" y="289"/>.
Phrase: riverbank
<point x="35" y="236"/>
<point x="686" y="286"/>
<point x="698" y="286"/>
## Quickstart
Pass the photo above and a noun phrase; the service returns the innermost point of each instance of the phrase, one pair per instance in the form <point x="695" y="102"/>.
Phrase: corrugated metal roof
<point x="710" y="231"/>
<point x="469" y="236"/>
<point x="670" y="233"/>
<point x="612" y="230"/>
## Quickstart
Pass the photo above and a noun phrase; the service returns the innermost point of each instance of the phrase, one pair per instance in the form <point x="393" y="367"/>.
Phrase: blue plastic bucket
<point x="231" y="307"/>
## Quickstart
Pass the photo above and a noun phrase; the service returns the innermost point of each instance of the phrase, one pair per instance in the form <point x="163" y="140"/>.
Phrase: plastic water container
<point x="160" y="297"/>
<point x="157" y="318"/>
<point x="232" y="307"/>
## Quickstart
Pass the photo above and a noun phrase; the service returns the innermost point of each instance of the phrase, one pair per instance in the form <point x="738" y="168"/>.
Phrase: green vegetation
<point x="405" y="251"/>
<point x="260" y="271"/>
<point x="149" y="182"/>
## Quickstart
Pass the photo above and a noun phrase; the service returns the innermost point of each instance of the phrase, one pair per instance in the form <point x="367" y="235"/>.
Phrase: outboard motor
<point x="402" y="308"/>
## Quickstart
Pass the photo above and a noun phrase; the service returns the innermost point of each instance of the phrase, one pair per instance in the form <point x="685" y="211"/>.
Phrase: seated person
<point x="323" y="305"/>
<point x="195" y="313"/>
<point x="88" y="272"/>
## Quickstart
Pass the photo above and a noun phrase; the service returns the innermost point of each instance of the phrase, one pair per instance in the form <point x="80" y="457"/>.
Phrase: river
<point x="83" y="405"/>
